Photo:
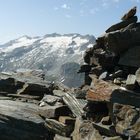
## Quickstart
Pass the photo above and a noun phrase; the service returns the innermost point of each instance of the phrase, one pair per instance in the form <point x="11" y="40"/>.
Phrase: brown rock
<point x="102" y="91"/>
<point x="84" y="130"/>
<point x="126" y="120"/>
<point x="129" y="14"/>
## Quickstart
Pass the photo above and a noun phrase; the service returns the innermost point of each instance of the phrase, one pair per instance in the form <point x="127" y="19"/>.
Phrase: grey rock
<point x="75" y="106"/>
<point x="130" y="82"/>
<point x="21" y="119"/>
<point x="58" y="137"/>
<point x="138" y="76"/>
<point x="58" y="127"/>
<point x="59" y="93"/>
<point x="131" y="57"/>
<point x="50" y="99"/>
<point x="120" y="41"/>
<point x="126" y="97"/>
<point x="126" y="120"/>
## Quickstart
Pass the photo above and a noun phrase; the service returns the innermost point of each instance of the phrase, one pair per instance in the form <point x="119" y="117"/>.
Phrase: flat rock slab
<point x="75" y="105"/>
<point x="126" y="97"/>
<point x="20" y="121"/>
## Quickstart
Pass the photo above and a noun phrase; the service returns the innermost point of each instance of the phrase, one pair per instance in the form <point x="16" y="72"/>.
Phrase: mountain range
<point x="59" y="56"/>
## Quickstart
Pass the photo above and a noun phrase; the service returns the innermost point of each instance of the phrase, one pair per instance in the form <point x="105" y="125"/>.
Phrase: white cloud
<point x="65" y="6"/>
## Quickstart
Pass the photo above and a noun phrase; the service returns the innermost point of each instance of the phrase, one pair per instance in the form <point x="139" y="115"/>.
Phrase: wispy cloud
<point x="94" y="10"/>
<point x="65" y="6"/>
<point x="105" y="3"/>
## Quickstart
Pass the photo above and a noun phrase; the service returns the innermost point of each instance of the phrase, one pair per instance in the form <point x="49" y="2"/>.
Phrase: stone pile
<point x="106" y="107"/>
<point x="113" y="69"/>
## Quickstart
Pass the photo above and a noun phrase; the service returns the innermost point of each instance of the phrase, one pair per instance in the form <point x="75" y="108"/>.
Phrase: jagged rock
<point x="106" y="130"/>
<point x="103" y="75"/>
<point x="120" y="41"/>
<point x="119" y="81"/>
<point x="75" y="106"/>
<point x="96" y="71"/>
<point x="138" y="76"/>
<point x="48" y="111"/>
<point x="126" y="97"/>
<point x="80" y="93"/>
<point x="21" y="119"/>
<point x="50" y="99"/>
<point x="126" y="120"/>
<point x="113" y="138"/>
<point x="101" y="92"/>
<point x="116" y="74"/>
<point x="58" y="127"/>
<point x="59" y="93"/>
<point x="58" y="137"/>
<point x="84" y="68"/>
<point x="131" y="58"/>
<point x="130" y="82"/>
<point x="11" y="83"/>
<point x="23" y="85"/>
<point x="67" y="120"/>
<point x="106" y="59"/>
<point x="84" y="130"/>
<point x="87" y="55"/>
<point x="122" y="24"/>
<point x="129" y="14"/>
<point x="96" y="111"/>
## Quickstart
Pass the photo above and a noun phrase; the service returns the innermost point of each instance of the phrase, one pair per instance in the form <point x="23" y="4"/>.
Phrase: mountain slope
<point x="55" y="54"/>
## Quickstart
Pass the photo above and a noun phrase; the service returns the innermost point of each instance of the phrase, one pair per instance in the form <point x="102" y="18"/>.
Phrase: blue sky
<point x="40" y="17"/>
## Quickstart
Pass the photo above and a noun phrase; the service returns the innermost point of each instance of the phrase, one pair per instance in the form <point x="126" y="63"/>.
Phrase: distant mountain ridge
<point x="59" y="56"/>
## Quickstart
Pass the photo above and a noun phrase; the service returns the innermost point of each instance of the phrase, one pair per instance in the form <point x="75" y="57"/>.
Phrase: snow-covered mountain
<point x="59" y="56"/>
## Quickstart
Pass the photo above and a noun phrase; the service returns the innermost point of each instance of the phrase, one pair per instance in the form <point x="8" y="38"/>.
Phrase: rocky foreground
<point x="106" y="107"/>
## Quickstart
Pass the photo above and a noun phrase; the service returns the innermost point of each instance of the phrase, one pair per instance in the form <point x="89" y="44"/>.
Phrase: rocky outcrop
<point x="113" y="93"/>
<point x="106" y="107"/>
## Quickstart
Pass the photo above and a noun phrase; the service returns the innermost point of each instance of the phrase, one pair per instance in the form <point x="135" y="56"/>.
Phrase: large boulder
<point x="131" y="57"/>
<point x="126" y="120"/>
<point x="121" y="40"/>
